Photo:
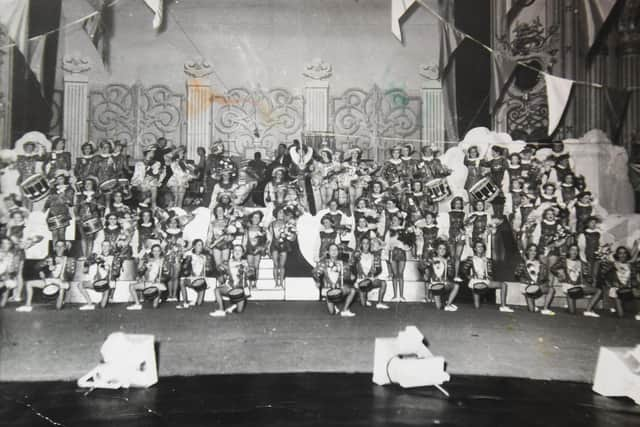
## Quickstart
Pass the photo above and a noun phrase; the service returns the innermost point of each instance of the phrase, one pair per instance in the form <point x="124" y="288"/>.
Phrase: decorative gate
<point x="363" y="117"/>
<point x="137" y="115"/>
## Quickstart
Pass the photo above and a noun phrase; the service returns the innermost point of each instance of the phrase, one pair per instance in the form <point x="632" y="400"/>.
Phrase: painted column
<point x="316" y="96"/>
<point x="592" y="108"/>
<point x="200" y="99"/>
<point x="75" y="110"/>
<point x="432" y="108"/>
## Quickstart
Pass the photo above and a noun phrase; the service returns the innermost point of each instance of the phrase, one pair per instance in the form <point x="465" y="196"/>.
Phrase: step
<point x="300" y="289"/>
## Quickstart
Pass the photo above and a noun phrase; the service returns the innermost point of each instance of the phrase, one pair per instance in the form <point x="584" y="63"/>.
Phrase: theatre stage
<point x="284" y="337"/>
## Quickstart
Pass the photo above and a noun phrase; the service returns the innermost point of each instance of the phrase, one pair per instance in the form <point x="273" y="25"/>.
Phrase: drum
<point x="484" y="190"/>
<point x="335" y="296"/>
<point x="575" y="292"/>
<point x="35" y="187"/>
<point x="438" y="189"/>
<point x="108" y="186"/>
<point x="624" y="294"/>
<point x="51" y="292"/>
<point x="236" y="295"/>
<point x="365" y="285"/>
<point x="480" y="288"/>
<point x="101" y="285"/>
<point x="125" y="187"/>
<point x="129" y="272"/>
<point x="437" y="288"/>
<point x="57" y="222"/>
<point x="533" y="291"/>
<point x="150" y="293"/>
<point x="91" y="225"/>
<point x="198" y="285"/>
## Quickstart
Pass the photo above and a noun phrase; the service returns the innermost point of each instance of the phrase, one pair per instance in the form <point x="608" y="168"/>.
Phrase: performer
<point x="480" y="223"/>
<point x="429" y="231"/>
<point x="573" y="272"/>
<point x="58" y="271"/>
<point x="30" y="156"/>
<point x="473" y="162"/>
<point x="408" y="162"/>
<point x="182" y="174"/>
<point x="550" y="236"/>
<point x="440" y="272"/>
<point x="148" y="176"/>
<point x="621" y="277"/>
<point x="236" y="269"/>
<point x="418" y="198"/>
<point x="396" y="254"/>
<point x="174" y="251"/>
<point x="195" y="267"/>
<point x="154" y="272"/>
<point x="97" y="269"/>
<point x="456" y="234"/>
<point x="497" y="164"/>
<point x="581" y="211"/>
<point x="368" y="267"/>
<point x="531" y="272"/>
<point x="255" y="243"/>
<point x="59" y="204"/>
<point x="89" y="210"/>
<point x="104" y="166"/>
<point x="219" y="241"/>
<point x="589" y="243"/>
<point x="479" y="272"/>
<point x="330" y="275"/>
<point x="58" y="159"/>
<point x="281" y="234"/>
<point x="275" y="190"/>
<point x="121" y="159"/>
<point x="9" y="269"/>
<point x="147" y="228"/>
<point x="84" y="162"/>
<point x="112" y="229"/>
<point x="430" y="167"/>
<point x="328" y="234"/>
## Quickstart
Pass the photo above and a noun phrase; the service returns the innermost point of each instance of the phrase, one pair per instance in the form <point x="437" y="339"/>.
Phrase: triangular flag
<point x="617" y="102"/>
<point x="503" y="67"/>
<point x="558" y="93"/>
<point x="398" y="9"/>
<point x="592" y="15"/>
<point x="36" y="57"/>
<point x="516" y="7"/>
<point x="14" y="18"/>
<point x="157" y="6"/>
<point x="95" y="29"/>
<point x="450" y="40"/>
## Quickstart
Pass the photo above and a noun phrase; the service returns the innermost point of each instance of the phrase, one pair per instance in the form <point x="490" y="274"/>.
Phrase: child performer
<point x="368" y="269"/>
<point x="219" y="240"/>
<point x="196" y="264"/>
<point x="479" y="270"/>
<point x="622" y="279"/>
<point x="89" y="210"/>
<point x="532" y="272"/>
<point x="440" y="278"/>
<point x="154" y="271"/>
<point x="456" y="234"/>
<point x="573" y="272"/>
<point x="59" y="204"/>
<point x="97" y="268"/>
<point x="331" y="272"/>
<point x="255" y="242"/>
<point x="236" y="269"/>
<point x="9" y="269"/>
<point x="58" y="159"/>
<point x="281" y="234"/>
<point x="84" y="162"/>
<point x="396" y="255"/>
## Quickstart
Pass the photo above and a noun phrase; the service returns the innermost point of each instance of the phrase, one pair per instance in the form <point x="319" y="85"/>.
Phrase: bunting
<point x="617" y="102"/>
<point x="592" y="16"/>
<point x="558" y="94"/>
<point x="36" y="58"/>
<point x="157" y="7"/>
<point x="503" y="69"/>
<point x="398" y="9"/>
<point x="14" y="18"/>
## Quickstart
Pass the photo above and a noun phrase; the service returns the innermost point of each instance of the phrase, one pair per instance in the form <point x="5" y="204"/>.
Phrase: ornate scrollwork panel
<point x="258" y="120"/>
<point x="365" y="116"/>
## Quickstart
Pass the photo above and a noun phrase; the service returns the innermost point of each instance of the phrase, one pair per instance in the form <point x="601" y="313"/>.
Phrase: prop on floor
<point x="618" y="372"/>
<point x="128" y="360"/>
<point x="407" y="361"/>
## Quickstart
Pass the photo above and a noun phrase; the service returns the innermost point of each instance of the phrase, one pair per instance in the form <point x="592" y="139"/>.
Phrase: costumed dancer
<point x="328" y="234"/>
<point x="550" y="236"/>
<point x="196" y="265"/>
<point x="154" y="273"/>
<point x="282" y="233"/>
<point x="329" y="169"/>
<point x="147" y="228"/>
<point x="456" y="234"/>
<point x="479" y="272"/>
<point x="58" y="158"/>
<point x="84" y="162"/>
<point x="474" y="164"/>
<point x="121" y="159"/>
<point x="219" y="240"/>
<point x="621" y="277"/>
<point x="104" y="167"/>
<point x="97" y="276"/>
<point x="255" y="243"/>
<point x="148" y="175"/>
<point x="576" y="281"/>
<point x="182" y="174"/>
<point x="236" y="269"/>
<point x="439" y="278"/>
<point x="330" y="274"/>
<point x="535" y="276"/>
<point x="89" y="208"/>
<point x="275" y="190"/>
<point x="57" y="272"/>
<point x="175" y="247"/>
<point x="395" y="252"/>
<point x="59" y="205"/>
<point x="368" y="267"/>
<point x="9" y="269"/>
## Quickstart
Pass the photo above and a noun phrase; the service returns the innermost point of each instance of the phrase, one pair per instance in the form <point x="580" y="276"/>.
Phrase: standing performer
<point x="154" y="272"/>
<point x="148" y="176"/>
<point x="368" y="270"/>
<point x="9" y="269"/>
<point x="332" y="271"/>
<point x="219" y="241"/>
<point x="195" y="266"/>
<point x="236" y="269"/>
<point x="174" y="250"/>
<point x="58" y="159"/>
<point x="281" y="235"/>
<point x="456" y="234"/>
<point x="576" y="280"/>
<point x="89" y="210"/>
<point x="255" y="242"/>
<point x="275" y="190"/>
<point x="479" y="272"/>
<point x="550" y="236"/>
<point x="430" y="167"/>
<point x="328" y="234"/>
<point x="182" y="174"/>
<point x="473" y="162"/>
<point x="84" y="162"/>
<point x="396" y="254"/>
<point x="103" y="166"/>
<point x="535" y="275"/>
<point x="58" y="272"/>
<point x="97" y="273"/>
<point x="59" y="204"/>
<point x="440" y="278"/>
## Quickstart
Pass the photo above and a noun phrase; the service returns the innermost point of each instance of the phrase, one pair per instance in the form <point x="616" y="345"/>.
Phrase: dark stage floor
<point x="314" y="400"/>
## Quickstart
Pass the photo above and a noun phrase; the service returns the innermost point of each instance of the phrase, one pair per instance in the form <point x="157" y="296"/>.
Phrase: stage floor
<point x="284" y="337"/>
<point x="314" y="399"/>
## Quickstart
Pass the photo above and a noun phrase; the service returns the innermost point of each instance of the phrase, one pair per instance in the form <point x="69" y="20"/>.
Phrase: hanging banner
<point x="558" y="94"/>
<point x="14" y="17"/>
<point x="157" y="7"/>
<point x="398" y="9"/>
<point x="592" y="15"/>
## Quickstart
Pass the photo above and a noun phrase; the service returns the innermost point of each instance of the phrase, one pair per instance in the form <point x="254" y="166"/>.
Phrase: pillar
<point x="591" y="103"/>
<point x="6" y="85"/>
<point x="316" y="98"/>
<point x="432" y="108"/>
<point x="629" y="53"/>
<point x="200" y="99"/>
<point x="75" y="110"/>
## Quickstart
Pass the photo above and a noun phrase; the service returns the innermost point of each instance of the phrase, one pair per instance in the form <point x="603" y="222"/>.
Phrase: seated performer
<point x="368" y="269"/>
<point x="236" y="272"/>
<point x="330" y="277"/>
<point x="621" y="277"/>
<point x="97" y="268"/>
<point x="479" y="271"/>
<point x="194" y="268"/>
<point x="58" y="271"/>
<point x="9" y="267"/>
<point x="154" y="272"/>
<point x="575" y="273"/>
<point x="532" y="272"/>
<point x="440" y="278"/>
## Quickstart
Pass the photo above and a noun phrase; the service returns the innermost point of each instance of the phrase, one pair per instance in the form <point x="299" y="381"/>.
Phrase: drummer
<point x="368" y="267"/>
<point x="89" y="206"/>
<point x="193" y="271"/>
<point x="59" y="204"/>
<point x="479" y="270"/>
<point x="97" y="268"/>
<point x="331" y="271"/>
<point x="154" y="271"/>
<point x="59" y="158"/>
<point x="236" y="270"/>
<point x="622" y="278"/>
<point x="430" y="167"/>
<point x="533" y="273"/>
<point x="58" y="271"/>
<point x="440" y="273"/>
<point x="84" y="162"/>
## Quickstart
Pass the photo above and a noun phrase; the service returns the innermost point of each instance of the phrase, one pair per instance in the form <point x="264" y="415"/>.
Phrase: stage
<point x="290" y="337"/>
